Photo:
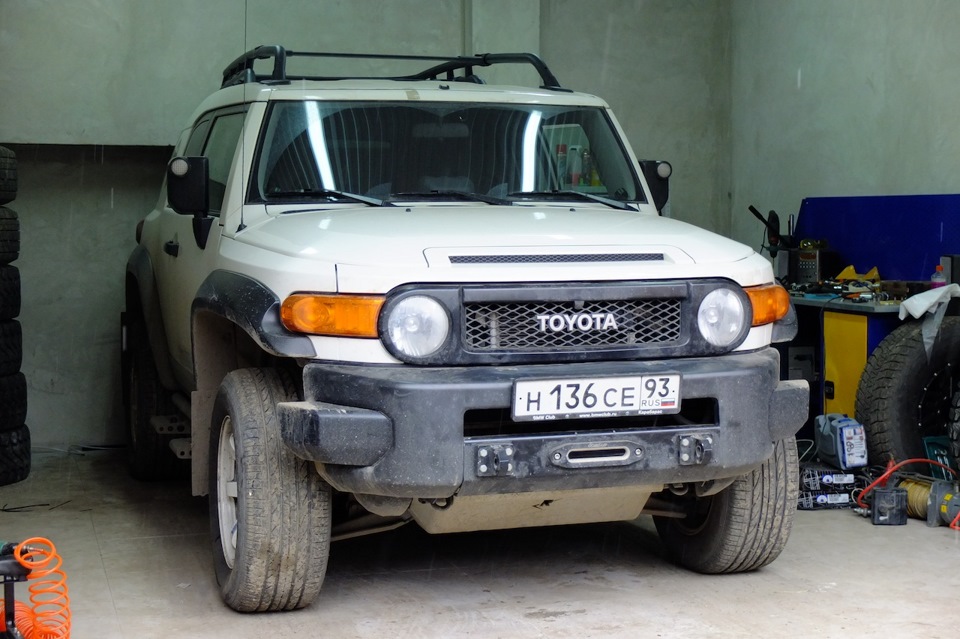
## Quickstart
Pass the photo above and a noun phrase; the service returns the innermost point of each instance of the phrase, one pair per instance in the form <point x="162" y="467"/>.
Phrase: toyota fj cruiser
<point x="366" y="301"/>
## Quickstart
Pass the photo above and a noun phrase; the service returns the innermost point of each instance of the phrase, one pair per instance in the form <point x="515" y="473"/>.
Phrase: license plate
<point x="546" y="399"/>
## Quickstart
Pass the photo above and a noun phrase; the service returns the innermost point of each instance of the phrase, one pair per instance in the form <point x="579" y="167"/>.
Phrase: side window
<point x="220" y="149"/>
<point x="197" y="137"/>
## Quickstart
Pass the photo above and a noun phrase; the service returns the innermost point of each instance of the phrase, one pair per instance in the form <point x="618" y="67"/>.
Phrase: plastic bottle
<point x="575" y="163"/>
<point x="561" y="164"/>
<point x="938" y="279"/>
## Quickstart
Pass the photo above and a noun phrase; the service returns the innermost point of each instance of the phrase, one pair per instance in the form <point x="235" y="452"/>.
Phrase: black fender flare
<point x="140" y="269"/>
<point x="253" y="307"/>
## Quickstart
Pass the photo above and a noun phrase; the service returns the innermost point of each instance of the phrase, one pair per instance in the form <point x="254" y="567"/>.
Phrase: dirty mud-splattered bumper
<point x="404" y="431"/>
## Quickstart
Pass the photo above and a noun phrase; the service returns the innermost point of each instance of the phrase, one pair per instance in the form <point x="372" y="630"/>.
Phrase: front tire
<point x="270" y="511"/>
<point x="741" y="528"/>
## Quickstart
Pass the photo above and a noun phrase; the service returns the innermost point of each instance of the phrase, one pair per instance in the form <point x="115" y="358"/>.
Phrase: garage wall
<point x="664" y="68"/>
<point x="841" y="98"/>
<point x="131" y="71"/>
<point x="102" y="87"/>
<point x="78" y="206"/>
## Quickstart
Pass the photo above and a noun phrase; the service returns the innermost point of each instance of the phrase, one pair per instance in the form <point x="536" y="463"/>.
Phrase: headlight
<point x="721" y="317"/>
<point x="418" y="326"/>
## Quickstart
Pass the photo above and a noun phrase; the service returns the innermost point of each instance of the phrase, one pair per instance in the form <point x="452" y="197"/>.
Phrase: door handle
<point x="171" y="247"/>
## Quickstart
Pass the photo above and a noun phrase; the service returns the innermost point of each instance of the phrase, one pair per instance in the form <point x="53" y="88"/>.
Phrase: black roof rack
<point x="240" y="71"/>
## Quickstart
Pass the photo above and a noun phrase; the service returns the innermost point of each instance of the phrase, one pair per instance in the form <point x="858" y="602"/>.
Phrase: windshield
<point x="405" y="150"/>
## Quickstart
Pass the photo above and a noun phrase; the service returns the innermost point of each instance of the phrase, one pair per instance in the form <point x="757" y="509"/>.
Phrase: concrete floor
<point x="139" y="566"/>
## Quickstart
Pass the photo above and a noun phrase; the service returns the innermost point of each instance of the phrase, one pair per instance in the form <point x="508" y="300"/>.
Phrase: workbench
<point x="834" y="340"/>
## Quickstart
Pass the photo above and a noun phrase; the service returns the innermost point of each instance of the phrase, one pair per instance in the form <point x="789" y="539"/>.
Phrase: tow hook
<point x="494" y="461"/>
<point x="694" y="450"/>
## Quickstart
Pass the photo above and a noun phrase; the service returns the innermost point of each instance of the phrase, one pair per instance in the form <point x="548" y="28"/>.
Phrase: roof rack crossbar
<point x="451" y="65"/>
<point x="240" y="71"/>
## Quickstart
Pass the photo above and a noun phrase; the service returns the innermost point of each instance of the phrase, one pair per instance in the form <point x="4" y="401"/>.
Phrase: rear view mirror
<point x="188" y="191"/>
<point x="657" y="174"/>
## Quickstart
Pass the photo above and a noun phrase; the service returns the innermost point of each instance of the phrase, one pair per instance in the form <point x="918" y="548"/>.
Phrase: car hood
<point x="429" y="236"/>
<point x="376" y="249"/>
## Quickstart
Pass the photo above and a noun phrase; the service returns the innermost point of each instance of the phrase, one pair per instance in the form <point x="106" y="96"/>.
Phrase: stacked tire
<point x="14" y="434"/>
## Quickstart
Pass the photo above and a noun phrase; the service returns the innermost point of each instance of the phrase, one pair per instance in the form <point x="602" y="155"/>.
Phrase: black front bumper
<point x="398" y="431"/>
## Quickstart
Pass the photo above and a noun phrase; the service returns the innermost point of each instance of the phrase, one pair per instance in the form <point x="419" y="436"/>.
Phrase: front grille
<point x="539" y="326"/>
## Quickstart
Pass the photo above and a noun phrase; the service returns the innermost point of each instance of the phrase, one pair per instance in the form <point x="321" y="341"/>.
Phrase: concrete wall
<point x="132" y="71"/>
<point x="78" y="207"/>
<point x="664" y="67"/>
<point x="842" y="98"/>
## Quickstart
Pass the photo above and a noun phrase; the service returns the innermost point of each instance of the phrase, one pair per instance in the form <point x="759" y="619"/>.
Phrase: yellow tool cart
<point x="848" y="332"/>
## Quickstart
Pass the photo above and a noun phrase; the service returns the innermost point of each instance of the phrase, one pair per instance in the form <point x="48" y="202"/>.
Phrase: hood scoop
<point x="563" y="258"/>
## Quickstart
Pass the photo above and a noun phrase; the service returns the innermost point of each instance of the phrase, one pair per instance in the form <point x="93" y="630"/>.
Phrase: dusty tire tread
<point x="764" y="521"/>
<point x="286" y="504"/>
<point x="749" y="522"/>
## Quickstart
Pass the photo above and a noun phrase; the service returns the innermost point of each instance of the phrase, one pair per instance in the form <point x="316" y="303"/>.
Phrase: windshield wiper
<point x="465" y="195"/>
<point x="566" y="193"/>
<point x="329" y="193"/>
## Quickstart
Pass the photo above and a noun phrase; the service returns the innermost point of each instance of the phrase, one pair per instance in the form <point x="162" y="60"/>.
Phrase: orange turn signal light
<point x="337" y="315"/>
<point x="770" y="303"/>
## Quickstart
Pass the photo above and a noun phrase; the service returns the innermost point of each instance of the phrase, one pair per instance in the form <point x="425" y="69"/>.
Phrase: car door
<point x="182" y="264"/>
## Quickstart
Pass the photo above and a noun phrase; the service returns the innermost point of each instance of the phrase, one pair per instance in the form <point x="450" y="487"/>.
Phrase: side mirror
<point x="657" y="174"/>
<point x="188" y="185"/>
<point x="188" y="192"/>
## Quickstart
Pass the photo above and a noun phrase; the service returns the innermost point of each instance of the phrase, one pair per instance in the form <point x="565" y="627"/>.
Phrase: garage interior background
<point x="759" y="102"/>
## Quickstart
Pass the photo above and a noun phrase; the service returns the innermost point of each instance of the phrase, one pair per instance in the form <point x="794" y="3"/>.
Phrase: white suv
<point x="362" y="302"/>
